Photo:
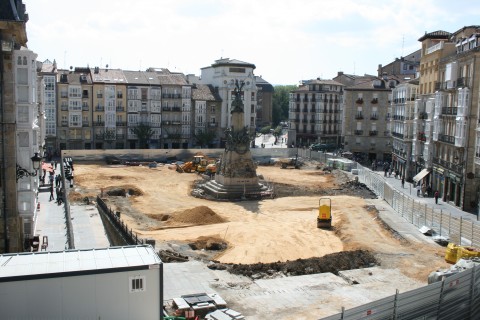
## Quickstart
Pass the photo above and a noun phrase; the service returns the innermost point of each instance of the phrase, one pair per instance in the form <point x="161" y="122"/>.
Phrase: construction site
<point x="241" y="243"/>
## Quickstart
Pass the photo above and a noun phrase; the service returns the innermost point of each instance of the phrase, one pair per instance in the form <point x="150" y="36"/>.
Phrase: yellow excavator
<point x="324" y="219"/>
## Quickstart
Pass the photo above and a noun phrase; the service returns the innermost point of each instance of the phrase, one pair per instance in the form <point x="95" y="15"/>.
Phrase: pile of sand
<point x="199" y="216"/>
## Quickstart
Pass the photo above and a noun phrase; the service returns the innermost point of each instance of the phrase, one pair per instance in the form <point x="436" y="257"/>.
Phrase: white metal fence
<point x="456" y="297"/>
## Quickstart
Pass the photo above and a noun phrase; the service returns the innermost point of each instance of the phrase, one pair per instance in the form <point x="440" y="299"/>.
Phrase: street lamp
<point x="21" y="172"/>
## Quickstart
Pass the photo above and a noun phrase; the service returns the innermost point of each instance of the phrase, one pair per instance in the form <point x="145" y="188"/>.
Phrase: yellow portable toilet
<point x="324" y="219"/>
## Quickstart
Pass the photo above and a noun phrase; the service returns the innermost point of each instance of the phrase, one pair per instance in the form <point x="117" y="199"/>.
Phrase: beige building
<point x="315" y="113"/>
<point x="207" y="112"/>
<point x="455" y="120"/>
<point x="366" y="131"/>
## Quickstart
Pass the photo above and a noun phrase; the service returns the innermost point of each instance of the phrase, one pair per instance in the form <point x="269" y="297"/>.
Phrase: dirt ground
<point x="157" y="204"/>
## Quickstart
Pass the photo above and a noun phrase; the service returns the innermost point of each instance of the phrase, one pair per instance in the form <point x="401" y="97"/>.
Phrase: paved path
<point x="88" y="230"/>
<point x="410" y="190"/>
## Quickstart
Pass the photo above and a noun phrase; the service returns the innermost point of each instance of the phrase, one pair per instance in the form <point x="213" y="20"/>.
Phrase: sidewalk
<point x="88" y="231"/>
<point x="50" y="221"/>
<point x="411" y="191"/>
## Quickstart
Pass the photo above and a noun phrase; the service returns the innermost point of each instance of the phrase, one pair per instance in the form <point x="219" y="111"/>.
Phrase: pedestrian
<point x="429" y="191"/>
<point x="50" y="178"/>
<point x="424" y="189"/>
<point x="51" y="193"/>
<point x="57" y="180"/>
<point x="403" y="182"/>
<point x="436" y="195"/>
<point x="418" y="189"/>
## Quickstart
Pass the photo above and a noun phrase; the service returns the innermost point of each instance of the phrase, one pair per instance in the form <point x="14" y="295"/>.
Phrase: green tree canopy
<point x="280" y="103"/>
<point x="265" y="130"/>
<point x="144" y="132"/>
<point x="204" y="138"/>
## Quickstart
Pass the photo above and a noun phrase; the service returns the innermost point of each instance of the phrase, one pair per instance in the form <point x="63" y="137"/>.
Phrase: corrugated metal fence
<point x="457" y="229"/>
<point x="456" y="297"/>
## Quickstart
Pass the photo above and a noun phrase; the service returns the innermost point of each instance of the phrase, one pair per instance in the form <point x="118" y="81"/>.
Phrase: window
<point x="23" y="114"/>
<point x="23" y="139"/>
<point x="137" y="284"/>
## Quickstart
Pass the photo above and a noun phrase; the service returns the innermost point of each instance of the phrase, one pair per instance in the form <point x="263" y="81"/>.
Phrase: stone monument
<point x="236" y="176"/>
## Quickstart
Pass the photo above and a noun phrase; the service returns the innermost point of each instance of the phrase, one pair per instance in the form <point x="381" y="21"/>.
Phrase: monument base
<point x="223" y="188"/>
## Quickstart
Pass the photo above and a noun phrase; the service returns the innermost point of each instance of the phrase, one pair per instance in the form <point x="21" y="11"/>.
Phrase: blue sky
<point x="287" y="40"/>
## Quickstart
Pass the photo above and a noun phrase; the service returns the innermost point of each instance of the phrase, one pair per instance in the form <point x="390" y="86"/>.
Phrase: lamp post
<point x="21" y="172"/>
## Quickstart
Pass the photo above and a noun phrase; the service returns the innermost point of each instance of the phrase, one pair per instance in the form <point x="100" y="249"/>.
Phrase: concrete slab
<point x="88" y="230"/>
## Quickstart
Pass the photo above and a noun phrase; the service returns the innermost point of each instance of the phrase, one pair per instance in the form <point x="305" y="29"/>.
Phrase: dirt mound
<point x="171" y="256"/>
<point x="199" y="216"/>
<point x="333" y="263"/>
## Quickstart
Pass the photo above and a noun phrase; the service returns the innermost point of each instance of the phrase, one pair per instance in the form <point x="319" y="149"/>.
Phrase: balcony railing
<point x="449" y="111"/>
<point x="121" y="124"/>
<point x="373" y="132"/>
<point x="98" y="124"/>
<point x="447" y="139"/>
<point x="397" y="135"/>
<point x="358" y="132"/>
<point x="85" y="124"/>
<point x="373" y="117"/>
<point x="64" y="123"/>
<point x="99" y="108"/>
<point x="359" y="116"/>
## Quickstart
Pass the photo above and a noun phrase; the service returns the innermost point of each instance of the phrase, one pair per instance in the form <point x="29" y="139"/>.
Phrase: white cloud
<point x="288" y="40"/>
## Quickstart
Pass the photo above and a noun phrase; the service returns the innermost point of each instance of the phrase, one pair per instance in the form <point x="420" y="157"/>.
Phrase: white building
<point x="111" y="283"/>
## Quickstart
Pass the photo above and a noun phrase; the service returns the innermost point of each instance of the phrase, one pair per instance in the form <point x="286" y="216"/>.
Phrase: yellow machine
<point x="324" y="219"/>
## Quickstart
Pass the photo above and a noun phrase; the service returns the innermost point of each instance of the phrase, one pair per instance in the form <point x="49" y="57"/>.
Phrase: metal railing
<point x="456" y="297"/>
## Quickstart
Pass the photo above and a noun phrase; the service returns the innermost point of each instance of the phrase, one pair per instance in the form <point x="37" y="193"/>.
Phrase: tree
<point x="265" y="130"/>
<point x="280" y="103"/>
<point x="144" y="132"/>
<point x="205" y="138"/>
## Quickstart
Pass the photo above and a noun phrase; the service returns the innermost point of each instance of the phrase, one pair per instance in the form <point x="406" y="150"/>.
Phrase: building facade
<point x="315" y="113"/>
<point x="365" y="118"/>
<point x="20" y="132"/>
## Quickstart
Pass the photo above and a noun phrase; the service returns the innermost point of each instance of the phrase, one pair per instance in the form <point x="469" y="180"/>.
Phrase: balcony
<point x="358" y="132"/>
<point x="85" y="124"/>
<point x="120" y="109"/>
<point x="64" y="124"/>
<point x="99" y="109"/>
<point x="421" y="136"/>
<point x="85" y="107"/>
<point x="359" y="101"/>
<point x="462" y="82"/>
<point x="374" y="101"/>
<point x="121" y="124"/>
<point x="64" y="108"/>
<point x="373" y="132"/>
<point x="449" y="111"/>
<point x="359" y="116"/>
<point x="98" y="124"/>
<point x="447" y="139"/>
<point x="374" y="117"/>
<point x="397" y="135"/>
<point x="171" y="96"/>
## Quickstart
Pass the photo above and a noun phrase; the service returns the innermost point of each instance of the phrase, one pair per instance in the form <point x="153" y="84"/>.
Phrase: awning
<point x="422" y="174"/>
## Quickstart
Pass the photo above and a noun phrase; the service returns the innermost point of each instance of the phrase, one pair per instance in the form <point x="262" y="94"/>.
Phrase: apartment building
<point x="74" y="111"/>
<point x="315" y="113"/>
<point x="144" y="107"/>
<point x="404" y="128"/>
<point x="366" y="131"/>
<point x="176" y="111"/>
<point x="455" y="118"/>
<point x="48" y="73"/>
<point x="20" y="132"/>
<point x="264" y="102"/>
<point x="207" y="112"/>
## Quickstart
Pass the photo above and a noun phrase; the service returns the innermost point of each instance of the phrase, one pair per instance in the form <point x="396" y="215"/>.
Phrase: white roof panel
<point x="35" y="263"/>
